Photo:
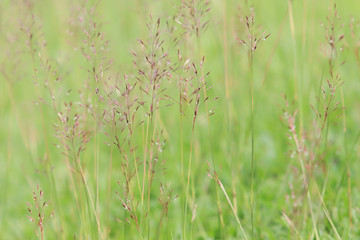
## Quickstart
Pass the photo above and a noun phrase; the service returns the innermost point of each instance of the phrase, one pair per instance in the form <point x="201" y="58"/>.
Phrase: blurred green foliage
<point x="28" y="147"/>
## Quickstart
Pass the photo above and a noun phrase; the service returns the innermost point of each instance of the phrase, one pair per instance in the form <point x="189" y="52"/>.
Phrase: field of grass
<point x="179" y="119"/>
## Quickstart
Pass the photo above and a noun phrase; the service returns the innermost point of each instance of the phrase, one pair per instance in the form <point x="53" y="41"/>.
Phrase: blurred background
<point x="292" y="61"/>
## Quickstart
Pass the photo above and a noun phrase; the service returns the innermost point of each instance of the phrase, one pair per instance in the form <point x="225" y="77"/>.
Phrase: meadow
<point x="179" y="119"/>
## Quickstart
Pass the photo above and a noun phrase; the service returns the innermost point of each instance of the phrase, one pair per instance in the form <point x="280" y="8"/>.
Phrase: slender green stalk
<point x="348" y="159"/>
<point x="304" y="176"/>
<point x="135" y="163"/>
<point x="150" y="170"/>
<point x="181" y="134"/>
<point x="251" y="56"/>
<point x="91" y="200"/>
<point x="232" y="207"/>
<point x="292" y="225"/>
<point x="188" y="182"/>
<point x="208" y="122"/>
<point x="228" y="101"/>
<point x="145" y="160"/>
<point x="326" y="212"/>
<point x="97" y="170"/>
<point x="108" y="196"/>
<point x="182" y="149"/>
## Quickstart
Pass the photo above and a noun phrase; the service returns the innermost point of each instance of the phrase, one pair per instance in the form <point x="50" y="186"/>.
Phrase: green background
<point x="281" y="64"/>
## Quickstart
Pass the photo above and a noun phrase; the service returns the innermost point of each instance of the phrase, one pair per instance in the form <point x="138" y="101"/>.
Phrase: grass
<point x="179" y="119"/>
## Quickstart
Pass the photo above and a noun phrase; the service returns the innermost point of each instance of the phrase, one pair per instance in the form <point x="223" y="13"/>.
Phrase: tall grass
<point x="252" y="43"/>
<point x="128" y="146"/>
